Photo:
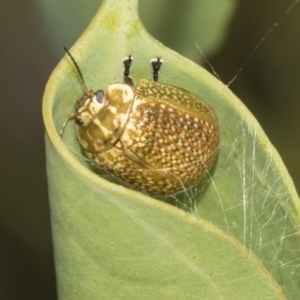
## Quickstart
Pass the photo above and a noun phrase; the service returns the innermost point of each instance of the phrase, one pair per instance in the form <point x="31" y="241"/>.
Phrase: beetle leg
<point x="156" y="64"/>
<point x="127" y="64"/>
<point x="69" y="117"/>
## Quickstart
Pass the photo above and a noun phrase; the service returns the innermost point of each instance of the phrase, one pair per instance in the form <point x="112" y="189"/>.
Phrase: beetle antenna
<point x="86" y="90"/>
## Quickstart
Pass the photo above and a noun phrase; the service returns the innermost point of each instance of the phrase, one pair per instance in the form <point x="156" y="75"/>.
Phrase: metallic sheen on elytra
<point x="158" y="138"/>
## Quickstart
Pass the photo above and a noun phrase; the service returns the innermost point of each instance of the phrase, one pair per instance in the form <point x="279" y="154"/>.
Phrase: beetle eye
<point x="99" y="96"/>
<point x="78" y="121"/>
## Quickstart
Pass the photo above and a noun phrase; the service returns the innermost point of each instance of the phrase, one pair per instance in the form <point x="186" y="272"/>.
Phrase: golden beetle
<point x="158" y="138"/>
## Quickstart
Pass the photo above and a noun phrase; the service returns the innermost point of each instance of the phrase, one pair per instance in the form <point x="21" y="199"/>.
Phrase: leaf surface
<point x="241" y="240"/>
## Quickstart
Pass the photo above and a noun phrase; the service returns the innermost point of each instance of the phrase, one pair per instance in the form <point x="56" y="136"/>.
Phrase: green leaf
<point x="241" y="239"/>
<point x="204" y="22"/>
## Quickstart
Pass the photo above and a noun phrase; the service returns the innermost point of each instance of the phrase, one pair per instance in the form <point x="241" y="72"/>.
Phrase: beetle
<point x="158" y="138"/>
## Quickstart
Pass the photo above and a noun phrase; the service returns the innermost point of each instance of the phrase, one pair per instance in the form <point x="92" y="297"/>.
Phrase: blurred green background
<point x="32" y="35"/>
